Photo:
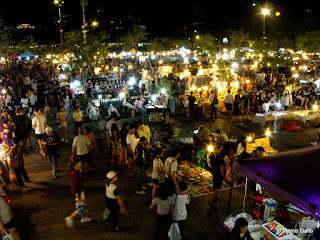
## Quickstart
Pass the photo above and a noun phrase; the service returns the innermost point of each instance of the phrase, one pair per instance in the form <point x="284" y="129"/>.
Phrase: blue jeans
<point x="140" y="177"/>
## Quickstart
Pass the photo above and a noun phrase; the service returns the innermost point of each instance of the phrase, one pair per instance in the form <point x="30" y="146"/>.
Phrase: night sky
<point x="161" y="17"/>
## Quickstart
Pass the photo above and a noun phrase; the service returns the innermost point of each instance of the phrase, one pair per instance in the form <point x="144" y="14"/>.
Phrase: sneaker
<point x="62" y="139"/>
<point x="69" y="222"/>
<point x="141" y="192"/>
<point x="54" y="176"/>
<point x="144" y="188"/>
<point x="86" y="219"/>
<point x="150" y="184"/>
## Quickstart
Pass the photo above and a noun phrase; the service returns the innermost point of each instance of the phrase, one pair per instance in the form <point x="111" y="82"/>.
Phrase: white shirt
<point x="77" y="116"/>
<point x="39" y="122"/>
<point x="286" y="100"/>
<point x="173" y="168"/>
<point x="108" y="126"/>
<point x="66" y="101"/>
<point x="132" y="141"/>
<point x="24" y="102"/>
<point x="144" y="131"/>
<point x="180" y="212"/>
<point x="27" y="81"/>
<point x="110" y="191"/>
<point x="81" y="143"/>
<point x="228" y="98"/>
<point x="157" y="163"/>
<point x="33" y="99"/>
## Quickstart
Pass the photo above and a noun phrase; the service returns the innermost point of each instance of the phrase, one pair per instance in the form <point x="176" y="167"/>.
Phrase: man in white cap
<point x="51" y="141"/>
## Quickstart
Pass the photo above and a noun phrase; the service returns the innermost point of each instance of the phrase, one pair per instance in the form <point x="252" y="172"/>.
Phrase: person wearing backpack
<point x="164" y="205"/>
<point x="180" y="209"/>
<point x="171" y="168"/>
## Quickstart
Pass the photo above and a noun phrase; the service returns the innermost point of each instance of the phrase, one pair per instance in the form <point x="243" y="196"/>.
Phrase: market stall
<point x="291" y="178"/>
<point x="260" y="142"/>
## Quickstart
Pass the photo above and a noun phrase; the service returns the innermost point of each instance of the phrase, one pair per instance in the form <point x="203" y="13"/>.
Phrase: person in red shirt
<point x="77" y="191"/>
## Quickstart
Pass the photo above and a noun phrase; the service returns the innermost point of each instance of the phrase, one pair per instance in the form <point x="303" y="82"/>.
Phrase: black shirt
<point x="191" y="100"/>
<point x="51" y="149"/>
<point x="20" y="124"/>
<point x="216" y="162"/>
<point x="140" y="153"/>
<point x="114" y="128"/>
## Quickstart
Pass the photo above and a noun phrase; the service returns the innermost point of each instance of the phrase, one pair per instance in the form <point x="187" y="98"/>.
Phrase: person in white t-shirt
<point x="157" y="170"/>
<point x="180" y="210"/>
<point x="77" y="119"/>
<point x="39" y="123"/>
<point x="228" y="102"/>
<point x="81" y="146"/>
<point x="131" y="146"/>
<point x="107" y="127"/>
<point x="25" y="103"/>
<point x="171" y="168"/>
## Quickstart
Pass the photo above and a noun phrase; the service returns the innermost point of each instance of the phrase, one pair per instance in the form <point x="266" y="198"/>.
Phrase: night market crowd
<point x="30" y="95"/>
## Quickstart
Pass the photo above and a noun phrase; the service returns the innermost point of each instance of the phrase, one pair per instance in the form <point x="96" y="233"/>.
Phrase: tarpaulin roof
<point x="25" y="55"/>
<point x="293" y="176"/>
<point x="13" y="55"/>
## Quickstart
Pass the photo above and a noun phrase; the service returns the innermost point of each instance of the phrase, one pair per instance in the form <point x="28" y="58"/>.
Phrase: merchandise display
<point x="253" y="225"/>
<point x="261" y="142"/>
<point x="270" y="210"/>
<point x="274" y="230"/>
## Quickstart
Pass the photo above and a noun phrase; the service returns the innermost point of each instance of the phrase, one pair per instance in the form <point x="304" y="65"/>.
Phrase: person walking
<point x="77" y="191"/>
<point x="164" y="206"/>
<point x="200" y="106"/>
<point x="113" y="201"/>
<point x="17" y="162"/>
<point x="51" y="141"/>
<point x="140" y="161"/>
<point x="123" y="136"/>
<point x="62" y="120"/>
<point x="77" y="119"/>
<point x="158" y="175"/>
<point x="213" y="99"/>
<point x="131" y="146"/>
<point x="180" y="211"/>
<point x="228" y="102"/>
<point x="191" y="100"/>
<point x="93" y="145"/>
<point x="143" y="130"/>
<point x="218" y="172"/>
<point x="20" y="128"/>
<point x="7" y="220"/>
<point x="171" y="168"/>
<point x="39" y="123"/>
<point x="115" y="137"/>
<point x="80" y="148"/>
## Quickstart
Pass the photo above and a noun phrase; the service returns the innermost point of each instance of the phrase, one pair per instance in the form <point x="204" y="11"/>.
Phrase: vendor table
<point x="305" y="116"/>
<point x="262" y="118"/>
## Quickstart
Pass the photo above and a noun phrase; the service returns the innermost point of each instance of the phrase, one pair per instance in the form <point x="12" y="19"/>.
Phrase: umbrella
<point x="13" y="55"/>
<point x="27" y="55"/>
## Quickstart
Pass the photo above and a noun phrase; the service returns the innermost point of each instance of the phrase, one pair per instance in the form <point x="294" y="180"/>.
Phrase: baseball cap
<point x="48" y="129"/>
<point x="112" y="174"/>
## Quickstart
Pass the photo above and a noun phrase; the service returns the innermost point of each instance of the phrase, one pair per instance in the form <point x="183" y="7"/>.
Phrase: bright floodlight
<point x="132" y="81"/>
<point x="122" y="95"/>
<point x="268" y="133"/>
<point x="4" y="91"/>
<point x="265" y="11"/>
<point x="210" y="148"/>
<point x="163" y="91"/>
<point x="154" y="98"/>
<point x="56" y="1"/>
<point x="249" y="139"/>
<point x="315" y="107"/>
<point x="100" y="96"/>
<point x="95" y="23"/>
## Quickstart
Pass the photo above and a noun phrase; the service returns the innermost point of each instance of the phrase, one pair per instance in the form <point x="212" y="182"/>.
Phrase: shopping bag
<point x="174" y="232"/>
<point x="292" y="127"/>
<point x="7" y="236"/>
<point x="12" y="175"/>
<point x="106" y="214"/>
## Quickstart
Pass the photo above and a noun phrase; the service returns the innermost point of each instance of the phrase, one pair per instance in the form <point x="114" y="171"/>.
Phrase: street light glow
<point x="197" y="37"/>
<point x="56" y="1"/>
<point x="278" y="14"/>
<point x="265" y="11"/>
<point x="95" y="23"/>
<point x="268" y="133"/>
<point x="210" y="148"/>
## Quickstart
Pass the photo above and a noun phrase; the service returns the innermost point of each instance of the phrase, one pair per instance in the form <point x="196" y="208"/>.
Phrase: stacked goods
<point x="270" y="210"/>
<point x="274" y="230"/>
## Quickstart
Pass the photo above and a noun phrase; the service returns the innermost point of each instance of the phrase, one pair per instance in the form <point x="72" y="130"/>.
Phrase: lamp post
<point x="264" y="13"/>
<point x="59" y="4"/>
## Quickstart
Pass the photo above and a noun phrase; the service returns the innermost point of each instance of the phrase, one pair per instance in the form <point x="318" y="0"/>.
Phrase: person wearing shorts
<point x="39" y="123"/>
<point x="51" y="141"/>
<point x="229" y="103"/>
<point x="62" y="119"/>
<point x="158" y="170"/>
<point x="115" y="137"/>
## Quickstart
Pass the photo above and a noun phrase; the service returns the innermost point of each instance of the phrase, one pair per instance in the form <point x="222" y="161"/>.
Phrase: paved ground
<point x="41" y="207"/>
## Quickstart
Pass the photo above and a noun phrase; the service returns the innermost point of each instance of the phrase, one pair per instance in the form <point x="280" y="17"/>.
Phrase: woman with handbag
<point x="158" y="174"/>
<point x="164" y="205"/>
<point x="113" y="201"/>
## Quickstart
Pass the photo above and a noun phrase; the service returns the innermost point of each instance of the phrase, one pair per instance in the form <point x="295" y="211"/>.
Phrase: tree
<point x="27" y="45"/>
<point x="238" y="39"/>
<point x="309" y="42"/>
<point x="135" y="35"/>
<point x="206" y="43"/>
<point x="5" y="37"/>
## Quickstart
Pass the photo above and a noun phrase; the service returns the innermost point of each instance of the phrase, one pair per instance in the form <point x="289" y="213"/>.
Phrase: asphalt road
<point x="41" y="207"/>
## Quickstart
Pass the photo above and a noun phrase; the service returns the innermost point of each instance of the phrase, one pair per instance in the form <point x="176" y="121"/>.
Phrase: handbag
<point x="106" y="214"/>
<point x="7" y="236"/>
<point x="174" y="232"/>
